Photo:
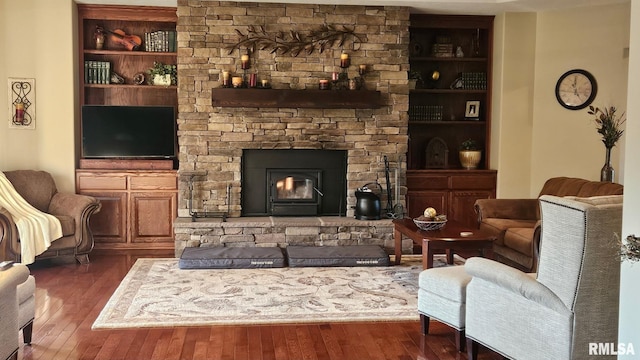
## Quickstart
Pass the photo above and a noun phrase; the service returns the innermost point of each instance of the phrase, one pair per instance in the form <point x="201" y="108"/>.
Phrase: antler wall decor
<point x="293" y="42"/>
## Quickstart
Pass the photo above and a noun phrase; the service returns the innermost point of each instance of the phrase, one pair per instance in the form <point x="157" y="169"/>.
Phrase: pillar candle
<point x="344" y="60"/>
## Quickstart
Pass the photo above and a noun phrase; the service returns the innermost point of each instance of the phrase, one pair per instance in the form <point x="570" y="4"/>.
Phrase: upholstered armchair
<point x="10" y="278"/>
<point x="573" y="300"/>
<point x="73" y="210"/>
<point x="516" y="222"/>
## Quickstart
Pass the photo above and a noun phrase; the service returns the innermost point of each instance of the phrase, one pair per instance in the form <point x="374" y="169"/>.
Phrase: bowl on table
<point x="430" y="224"/>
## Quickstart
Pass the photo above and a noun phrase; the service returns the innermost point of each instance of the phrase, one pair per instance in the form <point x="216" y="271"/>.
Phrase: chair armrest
<point x="520" y="209"/>
<point x="515" y="281"/>
<point x="70" y="204"/>
<point x="80" y="207"/>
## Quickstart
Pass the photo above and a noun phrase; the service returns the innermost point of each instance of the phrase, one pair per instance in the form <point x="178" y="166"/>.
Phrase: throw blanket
<point x="36" y="229"/>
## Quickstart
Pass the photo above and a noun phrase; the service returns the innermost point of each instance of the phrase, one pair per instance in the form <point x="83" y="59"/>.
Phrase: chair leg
<point x="83" y="259"/>
<point x="472" y="349"/>
<point x="460" y="340"/>
<point x="27" y="330"/>
<point x="424" y="324"/>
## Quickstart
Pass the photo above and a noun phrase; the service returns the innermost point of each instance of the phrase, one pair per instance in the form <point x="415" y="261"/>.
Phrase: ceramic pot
<point x="469" y="159"/>
<point x="162" y="80"/>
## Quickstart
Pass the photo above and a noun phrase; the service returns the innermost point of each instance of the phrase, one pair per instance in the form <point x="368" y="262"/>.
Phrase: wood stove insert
<point x="282" y="182"/>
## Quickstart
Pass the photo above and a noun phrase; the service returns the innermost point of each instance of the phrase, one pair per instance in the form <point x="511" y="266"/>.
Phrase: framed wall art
<point x="22" y="103"/>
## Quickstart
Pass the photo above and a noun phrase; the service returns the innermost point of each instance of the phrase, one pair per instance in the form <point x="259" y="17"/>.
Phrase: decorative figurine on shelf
<point x="459" y="52"/>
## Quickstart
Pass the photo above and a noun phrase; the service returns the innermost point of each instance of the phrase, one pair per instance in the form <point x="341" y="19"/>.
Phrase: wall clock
<point x="576" y="89"/>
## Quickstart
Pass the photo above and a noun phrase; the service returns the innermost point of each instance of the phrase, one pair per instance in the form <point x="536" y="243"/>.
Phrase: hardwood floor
<point x="69" y="297"/>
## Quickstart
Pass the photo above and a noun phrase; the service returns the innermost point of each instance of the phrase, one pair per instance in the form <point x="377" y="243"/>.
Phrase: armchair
<point x="73" y="210"/>
<point x="516" y="222"/>
<point x="573" y="300"/>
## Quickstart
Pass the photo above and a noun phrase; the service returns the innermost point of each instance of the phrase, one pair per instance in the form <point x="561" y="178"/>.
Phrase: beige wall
<point x="565" y="143"/>
<point x="512" y="115"/>
<point x="36" y="41"/>
<point x="629" y="290"/>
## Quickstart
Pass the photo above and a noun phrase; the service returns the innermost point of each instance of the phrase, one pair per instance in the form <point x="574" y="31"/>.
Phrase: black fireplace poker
<point x="390" y="212"/>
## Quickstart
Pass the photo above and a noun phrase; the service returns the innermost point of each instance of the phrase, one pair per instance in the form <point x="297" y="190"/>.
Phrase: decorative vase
<point x="412" y="84"/>
<point x="469" y="159"/>
<point x="607" y="173"/>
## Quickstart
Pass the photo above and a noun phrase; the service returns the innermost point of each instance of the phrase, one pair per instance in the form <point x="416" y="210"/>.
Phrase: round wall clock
<point x="576" y="89"/>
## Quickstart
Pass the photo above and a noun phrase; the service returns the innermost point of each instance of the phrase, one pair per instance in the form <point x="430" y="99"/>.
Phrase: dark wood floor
<point x="70" y="296"/>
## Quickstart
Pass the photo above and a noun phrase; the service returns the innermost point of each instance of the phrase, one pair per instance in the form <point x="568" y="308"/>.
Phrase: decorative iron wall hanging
<point x="292" y="42"/>
<point x="22" y="103"/>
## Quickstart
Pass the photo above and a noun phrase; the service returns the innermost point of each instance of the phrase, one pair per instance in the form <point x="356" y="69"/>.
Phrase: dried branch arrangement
<point x="292" y="42"/>
<point x="630" y="250"/>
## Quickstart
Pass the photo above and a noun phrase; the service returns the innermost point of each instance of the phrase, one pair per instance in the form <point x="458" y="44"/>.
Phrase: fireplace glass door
<point x="294" y="192"/>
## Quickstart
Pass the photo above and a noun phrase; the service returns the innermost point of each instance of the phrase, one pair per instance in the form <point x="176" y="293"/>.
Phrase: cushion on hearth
<point x="231" y="257"/>
<point x="350" y="255"/>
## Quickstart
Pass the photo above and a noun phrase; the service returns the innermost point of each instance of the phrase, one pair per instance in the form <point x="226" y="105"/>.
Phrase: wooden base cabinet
<point x="450" y="192"/>
<point x="138" y="207"/>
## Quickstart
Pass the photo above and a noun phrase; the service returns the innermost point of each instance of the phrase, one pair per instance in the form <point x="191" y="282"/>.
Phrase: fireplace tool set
<point x="368" y="201"/>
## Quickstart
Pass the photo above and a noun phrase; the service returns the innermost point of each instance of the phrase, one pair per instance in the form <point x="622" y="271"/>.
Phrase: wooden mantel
<point x="287" y="98"/>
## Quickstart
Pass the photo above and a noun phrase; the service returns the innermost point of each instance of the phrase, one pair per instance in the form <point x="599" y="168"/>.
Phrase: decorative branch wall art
<point x="22" y="103"/>
<point x="292" y="42"/>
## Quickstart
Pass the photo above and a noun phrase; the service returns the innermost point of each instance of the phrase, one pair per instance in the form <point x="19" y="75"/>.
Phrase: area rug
<point x="156" y="293"/>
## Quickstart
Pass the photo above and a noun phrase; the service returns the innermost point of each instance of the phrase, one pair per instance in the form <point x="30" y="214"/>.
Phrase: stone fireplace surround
<point x="211" y="139"/>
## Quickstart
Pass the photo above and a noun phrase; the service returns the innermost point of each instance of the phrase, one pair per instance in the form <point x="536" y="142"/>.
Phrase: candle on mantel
<point x="245" y="61"/>
<point x="323" y="85"/>
<point x="344" y="60"/>
<point x="225" y="79"/>
<point x="362" y="69"/>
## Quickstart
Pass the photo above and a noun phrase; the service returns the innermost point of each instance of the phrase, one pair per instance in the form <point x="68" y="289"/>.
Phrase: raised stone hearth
<point x="284" y="231"/>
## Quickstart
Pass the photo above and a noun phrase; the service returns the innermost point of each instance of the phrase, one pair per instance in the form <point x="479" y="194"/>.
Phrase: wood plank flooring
<point x="70" y="296"/>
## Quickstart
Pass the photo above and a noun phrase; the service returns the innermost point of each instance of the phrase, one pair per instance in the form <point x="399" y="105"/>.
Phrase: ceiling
<point x="470" y="7"/>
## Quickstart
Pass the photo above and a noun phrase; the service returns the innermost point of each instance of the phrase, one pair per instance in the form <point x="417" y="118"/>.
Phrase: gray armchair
<point x="573" y="300"/>
<point x="73" y="211"/>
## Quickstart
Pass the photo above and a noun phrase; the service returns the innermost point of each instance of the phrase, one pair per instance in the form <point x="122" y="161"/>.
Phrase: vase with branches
<point x="609" y="126"/>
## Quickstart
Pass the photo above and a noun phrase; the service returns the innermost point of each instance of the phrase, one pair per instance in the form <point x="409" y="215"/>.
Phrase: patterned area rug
<point x="156" y="293"/>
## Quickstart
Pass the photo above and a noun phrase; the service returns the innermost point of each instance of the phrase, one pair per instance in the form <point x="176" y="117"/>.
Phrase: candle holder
<point x="226" y="82"/>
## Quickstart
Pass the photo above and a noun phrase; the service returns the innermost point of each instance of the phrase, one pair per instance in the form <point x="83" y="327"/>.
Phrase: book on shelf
<point x="97" y="72"/>
<point x="161" y="41"/>
<point x="426" y="112"/>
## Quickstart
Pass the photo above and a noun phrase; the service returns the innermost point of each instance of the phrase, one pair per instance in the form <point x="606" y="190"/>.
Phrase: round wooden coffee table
<point x="452" y="237"/>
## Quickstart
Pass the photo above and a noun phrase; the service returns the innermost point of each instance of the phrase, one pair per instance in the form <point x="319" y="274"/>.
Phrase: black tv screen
<point x="141" y="132"/>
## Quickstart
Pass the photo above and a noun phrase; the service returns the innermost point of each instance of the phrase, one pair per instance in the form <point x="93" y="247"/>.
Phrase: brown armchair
<point x="73" y="210"/>
<point x="516" y="222"/>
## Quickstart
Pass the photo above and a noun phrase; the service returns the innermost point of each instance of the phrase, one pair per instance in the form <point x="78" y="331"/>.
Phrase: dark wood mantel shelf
<point x="287" y="98"/>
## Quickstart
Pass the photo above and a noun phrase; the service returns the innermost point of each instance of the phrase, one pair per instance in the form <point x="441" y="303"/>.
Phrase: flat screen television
<point x="128" y="132"/>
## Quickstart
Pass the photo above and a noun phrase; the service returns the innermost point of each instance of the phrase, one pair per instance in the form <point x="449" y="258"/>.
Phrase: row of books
<point x="161" y="41"/>
<point x="97" y="72"/>
<point x="425" y="113"/>
<point x="474" y="80"/>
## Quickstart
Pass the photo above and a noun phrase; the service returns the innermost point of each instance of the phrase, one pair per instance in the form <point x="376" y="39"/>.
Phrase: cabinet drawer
<point x="167" y="182"/>
<point x="473" y="182"/>
<point x="102" y="182"/>
<point x="427" y="182"/>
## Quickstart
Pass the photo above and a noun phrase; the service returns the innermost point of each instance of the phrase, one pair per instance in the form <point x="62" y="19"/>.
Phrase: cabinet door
<point x="461" y="203"/>
<point x="417" y="201"/>
<point x="109" y="225"/>
<point x="152" y="215"/>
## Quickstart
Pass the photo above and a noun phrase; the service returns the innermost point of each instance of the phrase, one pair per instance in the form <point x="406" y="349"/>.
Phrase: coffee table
<point x="452" y="237"/>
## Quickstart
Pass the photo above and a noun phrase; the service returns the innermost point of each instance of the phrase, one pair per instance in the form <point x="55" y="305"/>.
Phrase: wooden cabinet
<point x="138" y="207"/>
<point x="134" y="21"/>
<point x="452" y="53"/>
<point x="450" y="192"/>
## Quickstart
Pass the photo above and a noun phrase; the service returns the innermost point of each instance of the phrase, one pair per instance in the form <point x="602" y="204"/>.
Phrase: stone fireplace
<point x="214" y="140"/>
